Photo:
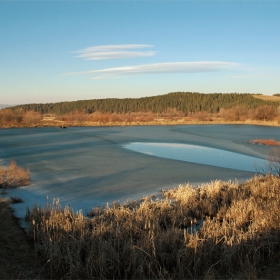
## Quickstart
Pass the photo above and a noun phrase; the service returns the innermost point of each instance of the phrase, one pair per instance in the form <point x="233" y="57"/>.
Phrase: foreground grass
<point x="218" y="230"/>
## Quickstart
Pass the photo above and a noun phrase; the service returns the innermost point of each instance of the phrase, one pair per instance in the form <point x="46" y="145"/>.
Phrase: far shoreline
<point x="156" y="122"/>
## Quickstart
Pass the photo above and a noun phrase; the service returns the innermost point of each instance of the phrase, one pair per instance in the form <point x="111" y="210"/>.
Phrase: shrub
<point x="31" y="118"/>
<point x="273" y="163"/>
<point x="202" y="116"/>
<point x="10" y="117"/>
<point x="238" y="113"/>
<point x="265" y="113"/>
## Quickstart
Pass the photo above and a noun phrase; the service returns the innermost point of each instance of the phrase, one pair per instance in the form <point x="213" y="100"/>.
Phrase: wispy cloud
<point x="107" y="52"/>
<point x="157" y="68"/>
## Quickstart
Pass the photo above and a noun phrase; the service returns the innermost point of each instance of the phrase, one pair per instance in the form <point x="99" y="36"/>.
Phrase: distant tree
<point x="184" y="102"/>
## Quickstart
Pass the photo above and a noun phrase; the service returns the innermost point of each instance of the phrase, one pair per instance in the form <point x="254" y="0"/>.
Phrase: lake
<point x="89" y="166"/>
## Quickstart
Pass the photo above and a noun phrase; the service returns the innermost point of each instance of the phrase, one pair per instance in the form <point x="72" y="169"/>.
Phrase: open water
<point x="89" y="166"/>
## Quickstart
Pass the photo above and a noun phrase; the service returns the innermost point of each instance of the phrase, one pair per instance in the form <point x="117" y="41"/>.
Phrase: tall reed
<point x="220" y="229"/>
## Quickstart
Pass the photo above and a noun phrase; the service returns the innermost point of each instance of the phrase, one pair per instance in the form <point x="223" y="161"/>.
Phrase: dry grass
<point x="267" y="97"/>
<point x="267" y="142"/>
<point x="221" y="229"/>
<point x="13" y="176"/>
<point x="263" y="115"/>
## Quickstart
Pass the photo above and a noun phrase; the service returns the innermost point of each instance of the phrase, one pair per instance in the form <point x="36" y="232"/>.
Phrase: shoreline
<point x="31" y="199"/>
<point x="156" y="122"/>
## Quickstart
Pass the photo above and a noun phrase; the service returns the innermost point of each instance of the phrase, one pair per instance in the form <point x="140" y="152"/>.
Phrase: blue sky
<point x="73" y="50"/>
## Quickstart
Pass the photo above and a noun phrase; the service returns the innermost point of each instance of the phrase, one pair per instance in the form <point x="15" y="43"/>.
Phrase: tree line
<point x="170" y="107"/>
<point x="185" y="102"/>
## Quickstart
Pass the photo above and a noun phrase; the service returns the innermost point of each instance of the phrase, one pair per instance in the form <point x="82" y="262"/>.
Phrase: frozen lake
<point x="198" y="154"/>
<point x="89" y="166"/>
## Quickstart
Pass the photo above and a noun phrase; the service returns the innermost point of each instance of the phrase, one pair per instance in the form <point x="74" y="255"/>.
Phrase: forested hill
<point x="186" y="102"/>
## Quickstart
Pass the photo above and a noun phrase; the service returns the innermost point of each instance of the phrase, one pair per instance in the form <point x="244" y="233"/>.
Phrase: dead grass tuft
<point x="13" y="176"/>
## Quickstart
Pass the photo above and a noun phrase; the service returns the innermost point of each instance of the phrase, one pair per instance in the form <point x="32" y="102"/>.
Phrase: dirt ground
<point x="17" y="255"/>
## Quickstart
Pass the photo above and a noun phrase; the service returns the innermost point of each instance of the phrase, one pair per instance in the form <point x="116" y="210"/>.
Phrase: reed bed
<point x="217" y="230"/>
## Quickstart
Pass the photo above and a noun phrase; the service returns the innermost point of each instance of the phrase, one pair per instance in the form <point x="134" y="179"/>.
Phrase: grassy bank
<point x="218" y="230"/>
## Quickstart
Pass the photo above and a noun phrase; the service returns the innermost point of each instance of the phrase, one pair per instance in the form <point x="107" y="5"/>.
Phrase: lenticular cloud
<point x="107" y="52"/>
<point x="158" y="68"/>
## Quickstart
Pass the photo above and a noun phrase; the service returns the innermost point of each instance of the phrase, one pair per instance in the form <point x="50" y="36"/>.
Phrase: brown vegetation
<point x="18" y="118"/>
<point x="13" y="176"/>
<point x="239" y="113"/>
<point x="221" y="229"/>
<point x="262" y="115"/>
<point x="267" y="142"/>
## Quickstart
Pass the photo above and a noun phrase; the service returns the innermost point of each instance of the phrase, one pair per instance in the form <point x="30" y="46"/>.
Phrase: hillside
<point x="185" y="102"/>
<point x="169" y="109"/>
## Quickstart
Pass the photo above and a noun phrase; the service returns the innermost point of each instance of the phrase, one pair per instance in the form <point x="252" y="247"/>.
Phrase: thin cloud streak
<point x="160" y="68"/>
<point x="107" y="52"/>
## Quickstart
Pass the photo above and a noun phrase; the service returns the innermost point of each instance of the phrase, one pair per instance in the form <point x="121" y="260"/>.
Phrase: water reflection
<point x="198" y="154"/>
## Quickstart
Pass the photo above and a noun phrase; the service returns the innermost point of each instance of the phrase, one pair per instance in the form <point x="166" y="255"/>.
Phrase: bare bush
<point x="202" y="116"/>
<point x="32" y="118"/>
<point x="10" y="117"/>
<point x="238" y="113"/>
<point x="75" y="116"/>
<point x="273" y="163"/>
<point x="265" y="113"/>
